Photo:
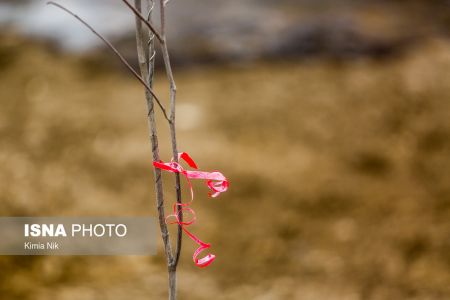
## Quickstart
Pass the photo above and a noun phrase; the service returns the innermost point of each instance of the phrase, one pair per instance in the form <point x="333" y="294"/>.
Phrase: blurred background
<point x="330" y="119"/>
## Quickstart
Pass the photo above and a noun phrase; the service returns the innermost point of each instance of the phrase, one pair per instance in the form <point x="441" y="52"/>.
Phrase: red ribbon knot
<point x="216" y="182"/>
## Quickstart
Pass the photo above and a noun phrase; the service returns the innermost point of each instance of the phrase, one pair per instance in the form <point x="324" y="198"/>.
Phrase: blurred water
<point x="231" y="27"/>
<point x="42" y="21"/>
<point x="235" y="30"/>
<point x="230" y="19"/>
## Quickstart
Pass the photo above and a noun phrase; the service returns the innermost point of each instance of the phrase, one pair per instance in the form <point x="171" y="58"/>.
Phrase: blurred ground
<point x="339" y="174"/>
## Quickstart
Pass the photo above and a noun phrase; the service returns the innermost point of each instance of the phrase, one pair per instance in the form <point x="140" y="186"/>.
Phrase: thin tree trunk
<point x="145" y="40"/>
<point x="145" y="49"/>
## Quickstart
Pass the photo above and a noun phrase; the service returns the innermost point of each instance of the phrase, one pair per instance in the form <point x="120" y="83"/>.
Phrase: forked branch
<point x="117" y="53"/>
<point x="143" y="19"/>
<point x="165" y="54"/>
<point x="146" y="57"/>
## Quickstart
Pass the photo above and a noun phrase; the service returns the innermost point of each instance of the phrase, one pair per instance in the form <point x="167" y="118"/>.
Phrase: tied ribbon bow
<point x="216" y="182"/>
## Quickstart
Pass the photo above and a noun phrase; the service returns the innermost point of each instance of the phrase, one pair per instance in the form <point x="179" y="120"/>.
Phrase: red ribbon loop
<point x="216" y="182"/>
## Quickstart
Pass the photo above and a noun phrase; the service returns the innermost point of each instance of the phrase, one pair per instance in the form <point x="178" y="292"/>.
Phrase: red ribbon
<point x="216" y="182"/>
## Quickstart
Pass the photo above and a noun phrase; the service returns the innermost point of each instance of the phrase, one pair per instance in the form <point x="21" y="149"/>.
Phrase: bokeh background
<point x="330" y="119"/>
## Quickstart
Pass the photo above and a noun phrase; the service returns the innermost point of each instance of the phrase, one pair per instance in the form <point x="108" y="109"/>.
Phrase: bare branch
<point x="146" y="55"/>
<point x="144" y="62"/>
<point x="143" y="19"/>
<point x="173" y="92"/>
<point x="116" y="52"/>
<point x="173" y="89"/>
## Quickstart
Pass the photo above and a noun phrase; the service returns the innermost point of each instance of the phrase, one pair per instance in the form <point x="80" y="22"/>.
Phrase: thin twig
<point x="143" y="19"/>
<point x="172" y="261"/>
<point x="116" y="52"/>
<point x="173" y="136"/>
<point x="173" y="89"/>
<point x="146" y="56"/>
<point x="144" y="63"/>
